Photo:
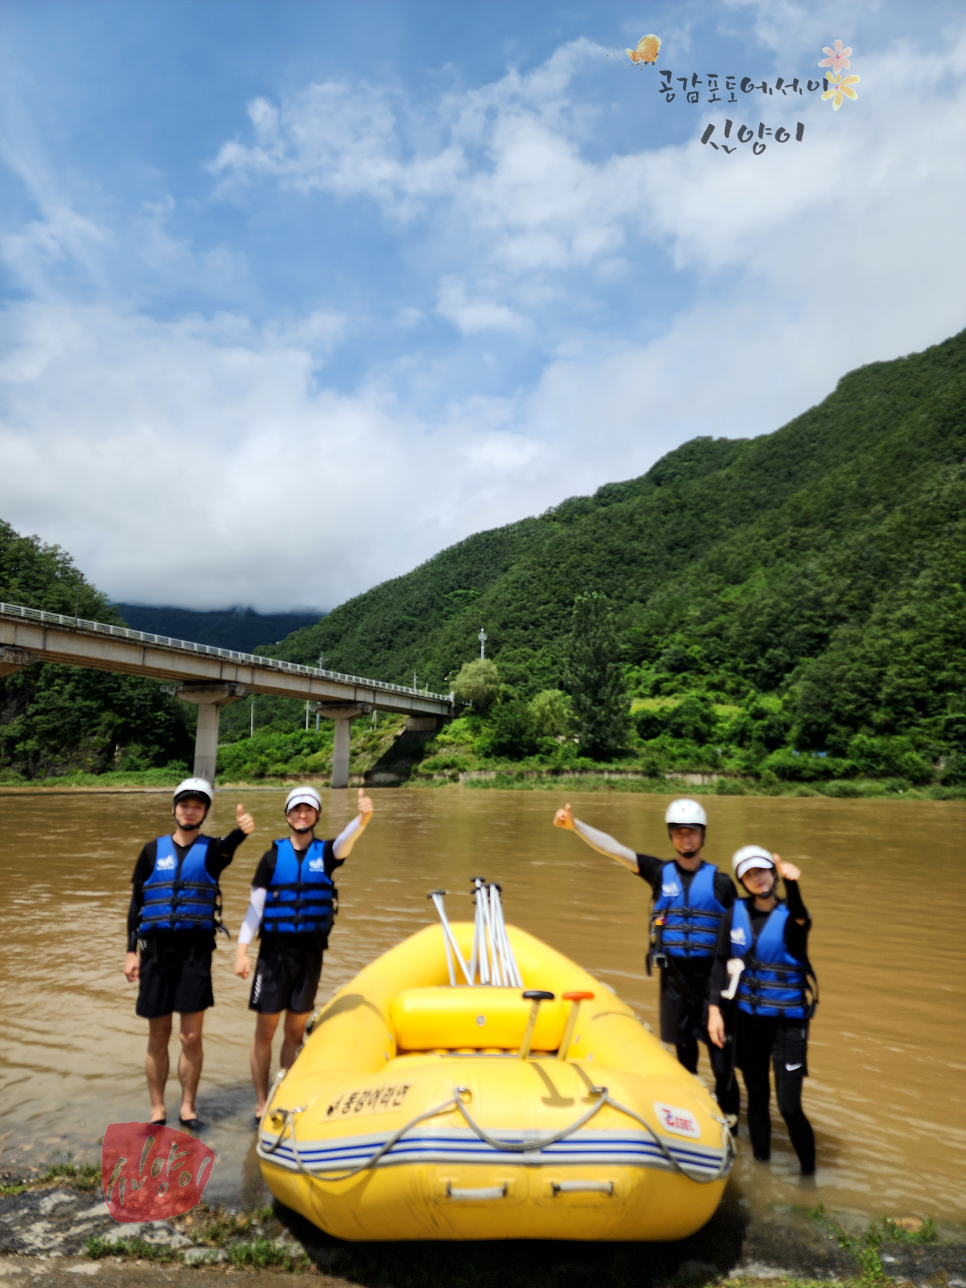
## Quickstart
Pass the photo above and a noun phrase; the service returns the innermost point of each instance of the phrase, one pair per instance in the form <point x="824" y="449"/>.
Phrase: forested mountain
<point x="822" y="565"/>
<point x="798" y="592"/>
<point x="58" y="718"/>
<point x="242" y="629"/>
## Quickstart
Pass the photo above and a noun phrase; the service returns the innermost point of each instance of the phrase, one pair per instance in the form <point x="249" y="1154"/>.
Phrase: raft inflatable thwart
<point x="532" y="1105"/>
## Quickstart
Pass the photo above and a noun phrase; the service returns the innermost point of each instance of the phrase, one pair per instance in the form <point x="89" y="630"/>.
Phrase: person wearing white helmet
<point x="292" y="907"/>
<point x="762" y="969"/>
<point x="690" y="899"/>
<point x="174" y="913"/>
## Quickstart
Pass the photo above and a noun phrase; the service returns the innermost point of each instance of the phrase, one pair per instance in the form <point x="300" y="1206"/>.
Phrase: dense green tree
<point x="512" y="734"/>
<point x="552" y="716"/>
<point x="57" y="718"/>
<point x="478" y="683"/>
<point x="821" y="566"/>
<point x="595" y="677"/>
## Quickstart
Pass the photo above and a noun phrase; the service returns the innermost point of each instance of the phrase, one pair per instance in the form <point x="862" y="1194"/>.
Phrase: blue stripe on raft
<point x="455" y="1145"/>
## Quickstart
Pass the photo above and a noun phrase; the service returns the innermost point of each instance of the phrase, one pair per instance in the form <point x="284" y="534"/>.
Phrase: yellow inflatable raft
<point x="419" y="1109"/>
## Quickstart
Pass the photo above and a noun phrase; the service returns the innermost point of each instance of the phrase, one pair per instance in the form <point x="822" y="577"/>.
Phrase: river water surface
<point x="883" y="881"/>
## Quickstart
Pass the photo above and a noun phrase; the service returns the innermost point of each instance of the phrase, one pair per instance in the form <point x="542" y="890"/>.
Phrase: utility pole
<point x="252" y="730"/>
<point x="306" y="715"/>
<point x="414" y="681"/>
<point x="482" y="637"/>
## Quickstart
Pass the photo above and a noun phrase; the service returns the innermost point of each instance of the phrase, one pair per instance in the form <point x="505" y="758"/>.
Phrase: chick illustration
<point x="648" y="48"/>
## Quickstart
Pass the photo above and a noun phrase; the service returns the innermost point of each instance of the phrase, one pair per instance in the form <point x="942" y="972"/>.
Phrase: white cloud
<point x="341" y="139"/>
<point x="471" y="316"/>
<point x="205" y="460"/>
<point x="194" y="462"/>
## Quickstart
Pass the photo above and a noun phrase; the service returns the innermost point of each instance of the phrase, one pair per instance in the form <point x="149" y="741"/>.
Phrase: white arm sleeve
<point x="253" y="917"/>
<point x="343" y="843"/>
<point x="605" y="844"/>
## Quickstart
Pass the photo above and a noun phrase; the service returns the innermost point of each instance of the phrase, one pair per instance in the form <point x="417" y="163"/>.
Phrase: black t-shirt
<point x="266" y="870"/>
<point x="796" y="936"/>
<point x="221" y="851"/>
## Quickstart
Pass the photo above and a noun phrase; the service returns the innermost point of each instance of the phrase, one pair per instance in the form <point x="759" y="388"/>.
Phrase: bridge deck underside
<point x="70" y="646"/>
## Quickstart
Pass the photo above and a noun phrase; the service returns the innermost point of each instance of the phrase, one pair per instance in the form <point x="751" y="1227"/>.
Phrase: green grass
<point x="86" y="1177"/>
<point x="131" y="1249"/>
<point x="141" y="778"/>
<point x="496" y="1265"/>
<point x="238" y="1234"/>
<point x="865" y="1247"/>
<point x="259" y="1254"/>
<point x="216" y="1229"/>
<point x="517" y="779"/>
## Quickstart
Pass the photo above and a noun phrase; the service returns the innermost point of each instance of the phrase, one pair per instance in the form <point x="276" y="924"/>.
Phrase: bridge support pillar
<point x="14" y="659"/>
<point x="209" y="698"/>
<point x="420" y="724"/>
<point x="341" y="717"/>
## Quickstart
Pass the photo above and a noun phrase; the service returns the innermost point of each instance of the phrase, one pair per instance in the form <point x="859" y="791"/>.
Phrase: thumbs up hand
<point x="564" y="818"/>
<point x="244" y="821"/>
<point x="365" y="807"/>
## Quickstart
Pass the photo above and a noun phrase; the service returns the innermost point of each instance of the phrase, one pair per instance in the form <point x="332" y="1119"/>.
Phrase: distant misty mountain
<point x="241" y="629"/>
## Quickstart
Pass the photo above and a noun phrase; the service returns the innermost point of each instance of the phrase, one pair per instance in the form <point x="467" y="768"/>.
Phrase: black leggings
<point x="762" y="1040"/>
<point x="726" y="1089"/>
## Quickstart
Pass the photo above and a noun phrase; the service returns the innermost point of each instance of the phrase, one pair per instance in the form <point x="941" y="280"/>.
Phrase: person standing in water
<point x="764" y="941"/>
<point x="293" y="905"/>
<point x="174" y="913"/>
<point x="691" y="898"/>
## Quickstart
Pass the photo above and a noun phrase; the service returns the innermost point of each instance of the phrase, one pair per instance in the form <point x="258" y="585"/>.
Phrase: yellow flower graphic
<point x="837" y="86"/>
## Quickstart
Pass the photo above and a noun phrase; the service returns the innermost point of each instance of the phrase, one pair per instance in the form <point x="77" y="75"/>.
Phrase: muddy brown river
<point x="884" y="882"/>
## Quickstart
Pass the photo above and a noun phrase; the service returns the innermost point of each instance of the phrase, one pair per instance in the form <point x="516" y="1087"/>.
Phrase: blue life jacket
<point x="773" y="981"/>
<point x="301" y="896"/>
<point x="180" y="894"/>
<point x="690" y="917"/>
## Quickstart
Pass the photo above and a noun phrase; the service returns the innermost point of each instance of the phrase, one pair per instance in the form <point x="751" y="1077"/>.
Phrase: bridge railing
<point x="187" y="646"/>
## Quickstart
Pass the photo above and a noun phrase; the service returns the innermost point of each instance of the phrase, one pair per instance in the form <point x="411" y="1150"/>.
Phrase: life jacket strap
<point x="305" y="909"/>
<point x="299" y="901"/>
<point x="158" y="893"/>
<point x="775" y="968"/>
<point x="755" y="992"/>
<point x="180" y="914"/>
<point x="297" y="887"/>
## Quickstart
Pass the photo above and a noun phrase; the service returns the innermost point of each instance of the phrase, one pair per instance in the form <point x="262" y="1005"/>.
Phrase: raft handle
<point x="575" y="999"/>
<point x="485" y="1192"/>
<point x="536" y="996"/>
<point x="582" y="1187"/>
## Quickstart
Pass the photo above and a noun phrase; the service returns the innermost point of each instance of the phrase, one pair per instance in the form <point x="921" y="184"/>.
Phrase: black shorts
<point x="175" y="977"/>
<point x="287" y="975"/>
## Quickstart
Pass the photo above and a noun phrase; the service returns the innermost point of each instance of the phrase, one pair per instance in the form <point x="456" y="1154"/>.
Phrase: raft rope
<point x="506" y="1146"/>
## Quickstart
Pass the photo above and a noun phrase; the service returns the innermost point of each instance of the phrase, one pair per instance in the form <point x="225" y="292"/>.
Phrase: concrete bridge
<point x="210" y="677"/>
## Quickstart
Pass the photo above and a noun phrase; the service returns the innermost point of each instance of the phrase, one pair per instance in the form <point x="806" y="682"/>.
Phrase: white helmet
<point x="303" y="796"/>
<point x="685" y="813"/>
<point x="194" y="787"/>
<point x="751" y="856"/>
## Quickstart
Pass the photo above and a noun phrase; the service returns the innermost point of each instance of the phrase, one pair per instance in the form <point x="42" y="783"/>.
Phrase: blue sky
<point x="297" y="294"/>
